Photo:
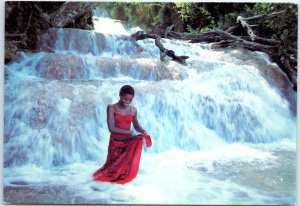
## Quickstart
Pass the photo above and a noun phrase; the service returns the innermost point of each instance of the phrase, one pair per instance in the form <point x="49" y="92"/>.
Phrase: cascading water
<point x="223" y="126"/>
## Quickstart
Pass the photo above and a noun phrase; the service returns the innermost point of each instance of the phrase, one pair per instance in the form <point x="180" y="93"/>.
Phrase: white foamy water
<point x="223" y="130"/>
<point x="174" y="176"/>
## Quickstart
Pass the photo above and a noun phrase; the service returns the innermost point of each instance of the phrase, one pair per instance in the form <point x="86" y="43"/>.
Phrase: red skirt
<point x="123" y="159"/>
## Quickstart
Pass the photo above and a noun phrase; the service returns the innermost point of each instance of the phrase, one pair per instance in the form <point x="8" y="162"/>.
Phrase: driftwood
<point x="221" y="39"/>
<point x="167" y="33"/>
<point x="140" y="35"/>
<point x="240" y="42"/>
<point x="217" y="38"/>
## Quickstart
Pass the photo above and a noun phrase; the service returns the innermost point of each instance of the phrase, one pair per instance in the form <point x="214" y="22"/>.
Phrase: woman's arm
<point x="111" y="122"/>
<point x="135" y="122"/>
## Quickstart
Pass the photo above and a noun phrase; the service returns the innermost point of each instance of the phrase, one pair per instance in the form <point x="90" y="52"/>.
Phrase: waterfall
<point x="55" y="103"/>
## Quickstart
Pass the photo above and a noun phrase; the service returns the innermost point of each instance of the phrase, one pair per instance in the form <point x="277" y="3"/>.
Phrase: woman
<point x="124" y="150"/>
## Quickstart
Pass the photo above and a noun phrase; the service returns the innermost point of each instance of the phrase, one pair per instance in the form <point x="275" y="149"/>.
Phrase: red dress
<point x="124" y="153"/>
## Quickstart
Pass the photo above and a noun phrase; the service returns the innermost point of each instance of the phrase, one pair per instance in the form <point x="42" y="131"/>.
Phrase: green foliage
<point x="184" y="10"/>
<point x="145" y="15"/>
<point x="262" y="8"/>
<point x="281" y="27"/>
<point x="194" y="16"/>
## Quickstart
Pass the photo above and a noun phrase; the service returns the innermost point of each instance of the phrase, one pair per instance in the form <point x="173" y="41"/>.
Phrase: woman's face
<point x="126" y="99"/>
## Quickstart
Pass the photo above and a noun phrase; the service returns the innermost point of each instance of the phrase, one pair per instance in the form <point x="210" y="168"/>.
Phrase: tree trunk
<point x="69" y="11"/>
<point x="26" y="21"/>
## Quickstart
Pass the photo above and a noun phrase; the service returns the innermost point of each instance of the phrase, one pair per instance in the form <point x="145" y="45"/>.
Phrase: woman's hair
<point x="126" y="89"/>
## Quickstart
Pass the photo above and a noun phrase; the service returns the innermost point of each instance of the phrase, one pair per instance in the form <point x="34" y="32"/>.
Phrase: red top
<point x="123" y="121"/>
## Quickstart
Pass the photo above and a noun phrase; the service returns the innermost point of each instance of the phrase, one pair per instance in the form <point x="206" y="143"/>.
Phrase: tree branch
<point x="168" y="30"/>
<point x="140" y="35"/>
<point x="263" y="16"/>
<point x="244" y="22"/>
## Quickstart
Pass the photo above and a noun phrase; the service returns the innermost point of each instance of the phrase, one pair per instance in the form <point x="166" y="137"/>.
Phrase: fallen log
<point x="239" y="42"/>
<point x="140" y="35"/>
<point x="208" y="37"/>
<point x="233" y="28"/>
<point x="170" y="34"/>
<point x="221" y="39"/>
